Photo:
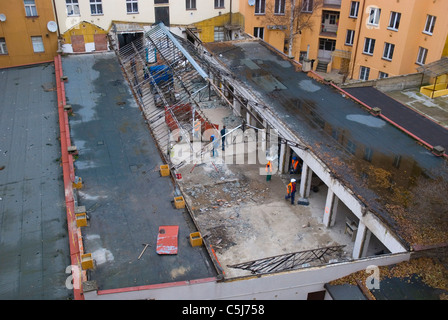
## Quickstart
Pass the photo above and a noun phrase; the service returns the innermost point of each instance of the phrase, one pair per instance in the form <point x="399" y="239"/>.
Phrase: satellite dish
<point x="2" y="17"/>
<point x="251" y="2"/>
<point x="52" y="26"/>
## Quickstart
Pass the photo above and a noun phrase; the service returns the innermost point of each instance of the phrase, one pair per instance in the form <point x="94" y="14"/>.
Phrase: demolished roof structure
<point x="383" y="176"/>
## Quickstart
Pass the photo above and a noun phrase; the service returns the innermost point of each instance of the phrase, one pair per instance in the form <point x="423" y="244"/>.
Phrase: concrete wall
<point x="290" y="285"/>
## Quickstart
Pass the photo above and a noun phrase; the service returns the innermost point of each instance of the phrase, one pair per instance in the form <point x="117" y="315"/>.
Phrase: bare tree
<point x="299" y="13"/>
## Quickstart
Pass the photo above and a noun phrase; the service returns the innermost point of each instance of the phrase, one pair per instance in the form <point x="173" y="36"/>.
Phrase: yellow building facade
<point x="28" y="32"/>
<point x="364" y="39"/>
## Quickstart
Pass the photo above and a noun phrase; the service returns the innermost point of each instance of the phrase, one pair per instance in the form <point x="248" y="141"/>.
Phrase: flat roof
<point x="125" y="197"/>
<point x="415" y="122"/>
<point x="399" y="179"/>
<point x="34" y="246"/>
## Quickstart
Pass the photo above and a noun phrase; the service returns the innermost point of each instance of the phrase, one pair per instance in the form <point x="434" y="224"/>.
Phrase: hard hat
<point x="293" y="180"/>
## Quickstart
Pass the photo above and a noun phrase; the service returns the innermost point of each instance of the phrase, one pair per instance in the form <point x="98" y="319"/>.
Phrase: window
<point x="369" y="46"/>
<point x="429" y="26"/>
<point x="383" y="75"/>
<point x="3" y="48"/>
<point x="30" y="8"/>
<point x="388" y="51"/>
<point x="394" y="21"/>
<point x="190" y="4"/>
<point x="279" y="7"/>
<point x="96" y="7"/>
<point x="219" y="34"/>
<point x="160" y="1"/>
<point x="38" y="44"/>
<point x="132" y="6"/>
<point x="260" y="6"/>
<point x="72" y="7"/>
<point x="307" y="5"/>
<point x="349" y="37"/>
<point x="364" y="73"/>
<point x="354" y="8"/>
<point x="219" y="4"/>
<point x="374" y="16"/>
<point x="259" y="32"/>
<point x="421" y="57"/>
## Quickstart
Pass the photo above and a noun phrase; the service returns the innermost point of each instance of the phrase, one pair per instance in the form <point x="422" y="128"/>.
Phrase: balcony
<point x="333" y="4"/>
<point x="330" y="22"/>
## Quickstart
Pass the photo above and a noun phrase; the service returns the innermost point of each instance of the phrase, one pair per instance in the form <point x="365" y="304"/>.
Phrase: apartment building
<point x="28" y="32"/>
<point x="365" y="39"/>
<point x="84" y="24"/>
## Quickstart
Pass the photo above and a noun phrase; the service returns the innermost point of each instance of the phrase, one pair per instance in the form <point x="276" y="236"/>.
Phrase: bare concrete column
<point x="236" y="107"/>
<point x="263" y="141"/>
<point x="305" y="184"/>
<point x="362" y="241"/>
<point x="248" y="117"/>
<point x="331" y="207"/>
<point x="282" y="157"/>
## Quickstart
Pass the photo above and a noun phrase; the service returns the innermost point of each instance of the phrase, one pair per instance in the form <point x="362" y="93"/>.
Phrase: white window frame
<point x="260" y="6"/>
<point x="429" y="24"/>
<point x="369" y="44"/>
<point x="38" y="44"/>
<point x="394" y="21"/>
<point x="30" y="8"/>
<point x="350" y="36"/>
<point x="259" y="31"/>
<point x="279" y="7"/>
<point x="3" y="47"/>
<point x="307" y="5"/>
<point x="133" y="5"/>
<point x="364" y="73"/>
<point x="421" y="56"/>
<point x="388" y="52"/>
<point x="97" y="5"/>
<point x="383" y="75"/>
<point x="374" y="16"/>
<point x="354" y="9"/>
<point x="219" y="4"/>
<point x="219" y="34"/>
<point x="72" y="8"/>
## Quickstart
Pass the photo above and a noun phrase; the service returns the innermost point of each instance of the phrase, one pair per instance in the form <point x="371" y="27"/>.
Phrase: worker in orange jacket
<point x="294" y="165"/>
<point x="291" y="191"/>
<point x="268" y="171"/>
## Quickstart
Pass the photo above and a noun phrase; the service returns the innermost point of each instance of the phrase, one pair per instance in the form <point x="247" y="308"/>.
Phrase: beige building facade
<point x="84" y="24"/>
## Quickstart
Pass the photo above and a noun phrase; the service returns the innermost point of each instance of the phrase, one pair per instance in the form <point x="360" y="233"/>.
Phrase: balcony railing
<point x="332" y="3"/>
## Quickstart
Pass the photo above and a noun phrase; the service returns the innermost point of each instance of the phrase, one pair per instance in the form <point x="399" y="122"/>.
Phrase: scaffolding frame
<point x="165" y="78"/>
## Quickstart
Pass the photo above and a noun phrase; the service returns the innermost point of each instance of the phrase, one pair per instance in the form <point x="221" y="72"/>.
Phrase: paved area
<point x="34" y="250"/>
<point x="125" y="196"/>
<point x="420" y="125"/>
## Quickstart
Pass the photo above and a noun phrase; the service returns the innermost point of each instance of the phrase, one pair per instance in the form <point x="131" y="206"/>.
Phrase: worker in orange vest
<point x="268" y="171"/>
<point x="294" y="165"/>
<point x="291" y="191"/>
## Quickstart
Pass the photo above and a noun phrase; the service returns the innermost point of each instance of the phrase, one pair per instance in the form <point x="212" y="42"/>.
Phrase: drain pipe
<point x="357" y="39"/>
